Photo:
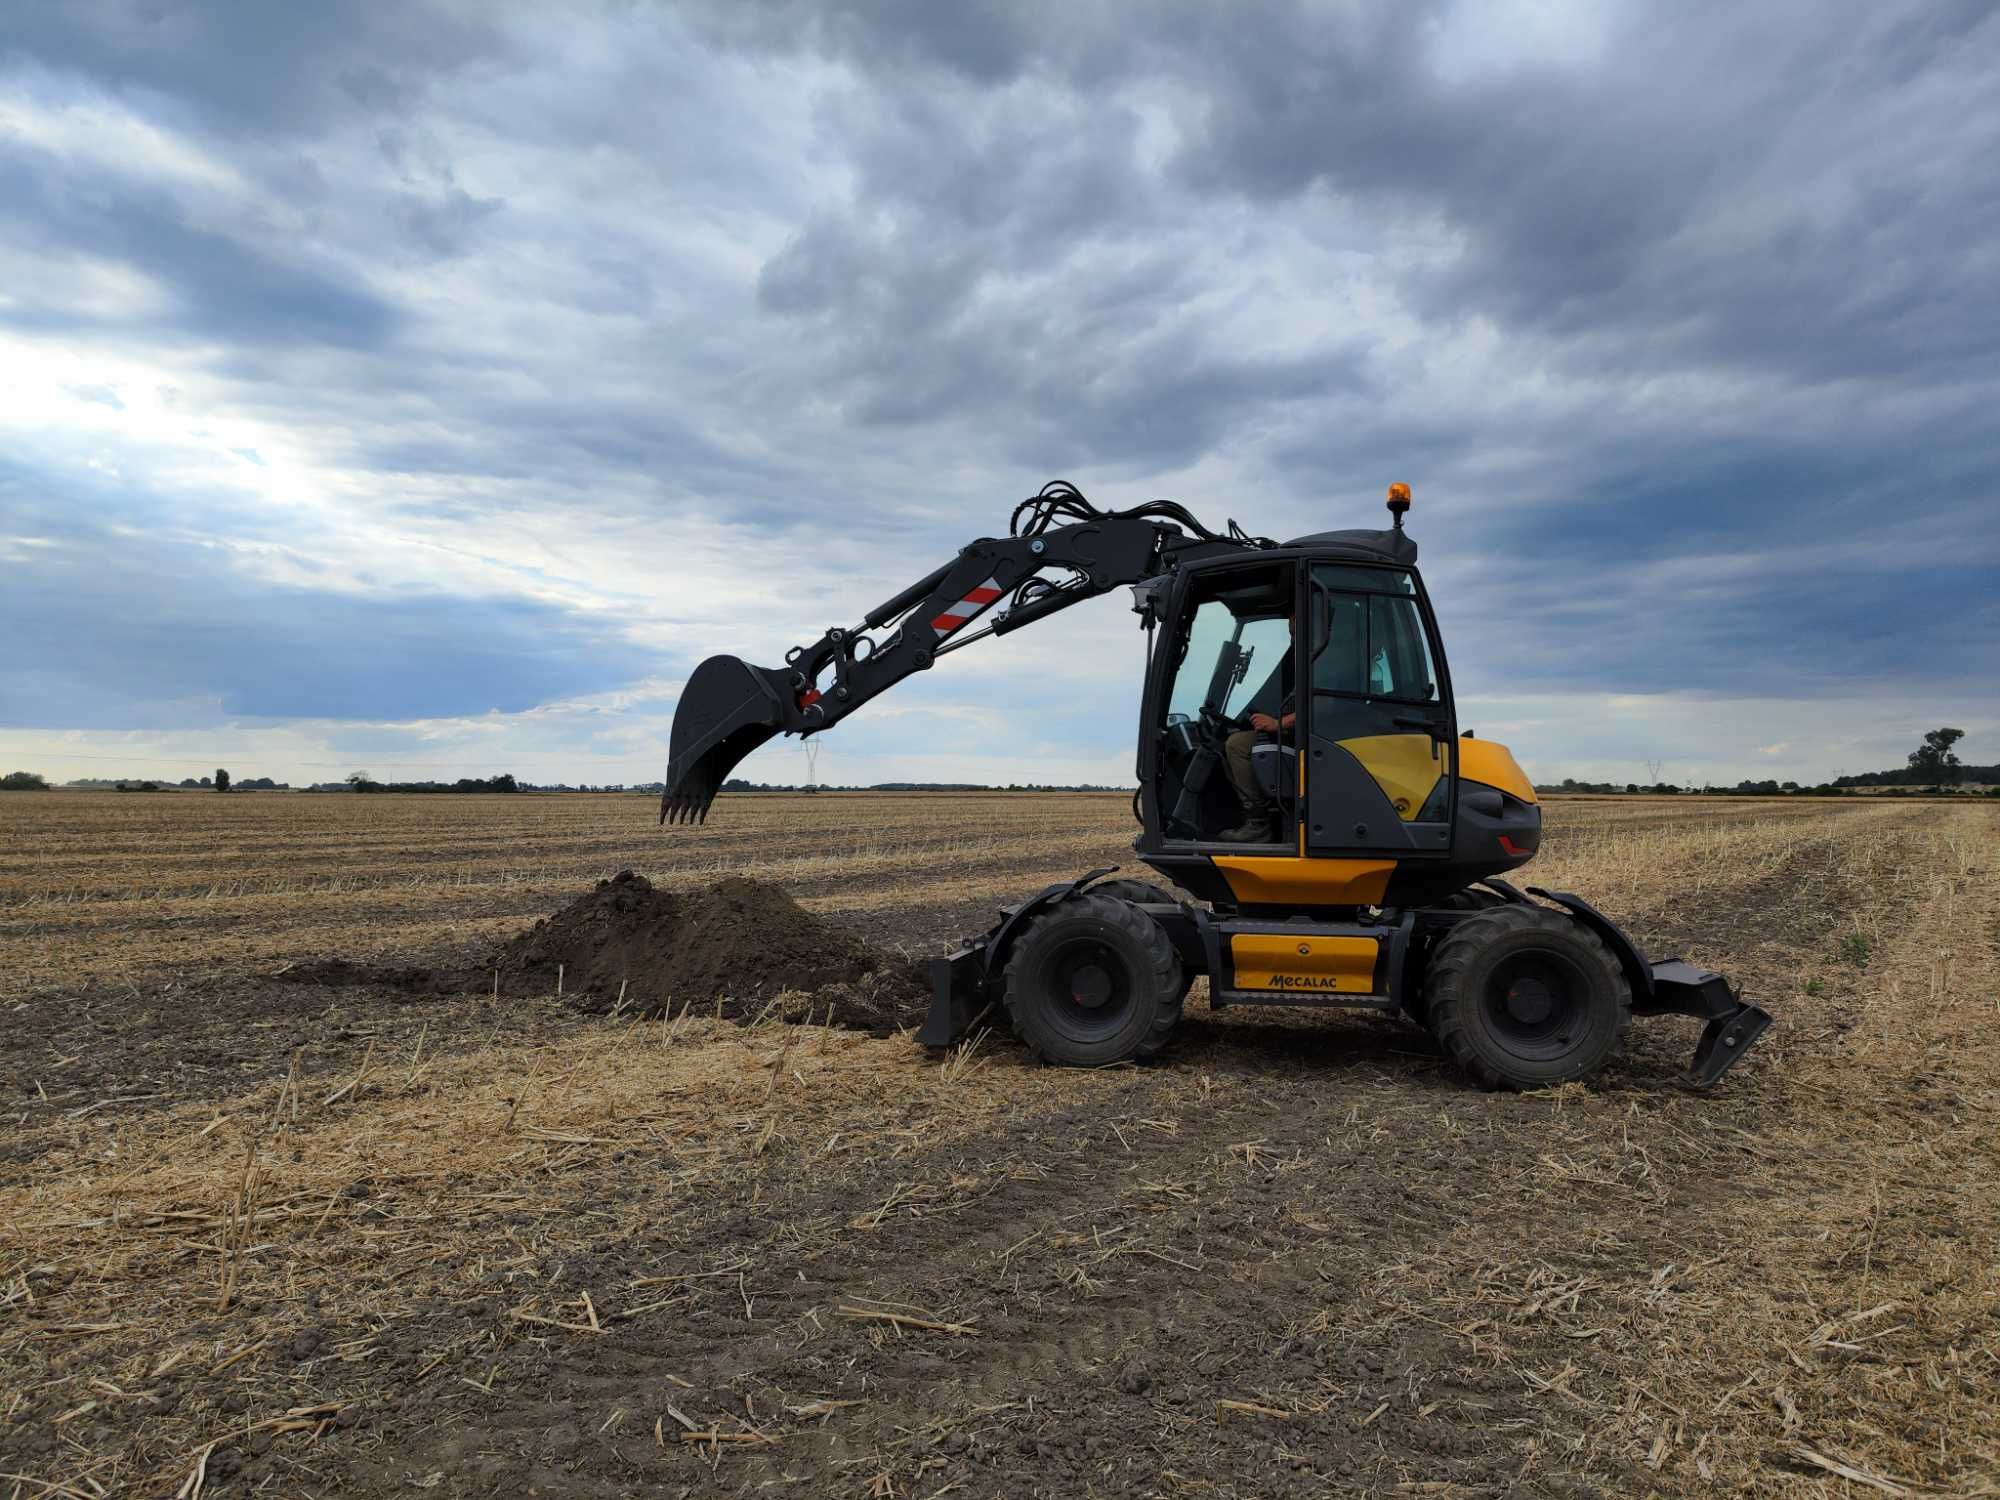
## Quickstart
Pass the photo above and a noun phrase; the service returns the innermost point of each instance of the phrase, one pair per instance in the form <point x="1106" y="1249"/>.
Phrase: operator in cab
<point x="1260" y="814"/>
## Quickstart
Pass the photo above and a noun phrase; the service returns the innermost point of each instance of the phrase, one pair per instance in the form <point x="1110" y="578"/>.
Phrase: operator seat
<point x="1276" y="769"/>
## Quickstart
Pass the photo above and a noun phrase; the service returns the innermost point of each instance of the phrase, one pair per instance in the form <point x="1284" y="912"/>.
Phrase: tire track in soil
<point x="1307" y="1166"/>
<point x="1266" y="1255"/>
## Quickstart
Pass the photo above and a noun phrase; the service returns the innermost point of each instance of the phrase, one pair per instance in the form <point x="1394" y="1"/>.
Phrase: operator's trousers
<point x="1236" y="752"/>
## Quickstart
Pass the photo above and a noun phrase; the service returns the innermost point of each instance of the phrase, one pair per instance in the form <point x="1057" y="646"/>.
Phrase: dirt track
<point x="547" y="1257"/>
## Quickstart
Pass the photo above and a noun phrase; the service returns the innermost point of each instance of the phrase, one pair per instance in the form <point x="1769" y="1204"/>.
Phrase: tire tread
<point x="1162" y="962"/>
<point x="1446" y="998"/>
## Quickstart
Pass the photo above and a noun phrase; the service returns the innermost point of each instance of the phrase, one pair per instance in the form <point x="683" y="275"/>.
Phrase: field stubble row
<point x="1625" y="1289"/>
<point x="424" y="870"/>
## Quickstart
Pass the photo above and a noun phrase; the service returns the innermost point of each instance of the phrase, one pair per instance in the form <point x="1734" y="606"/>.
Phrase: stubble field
<point x="263" y="1236"/>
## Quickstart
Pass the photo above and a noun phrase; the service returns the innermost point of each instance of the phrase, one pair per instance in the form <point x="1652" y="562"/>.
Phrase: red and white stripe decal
<point x="967" y="607"/>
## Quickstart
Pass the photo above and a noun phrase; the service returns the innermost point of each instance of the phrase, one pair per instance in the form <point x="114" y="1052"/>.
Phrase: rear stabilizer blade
<point x="1724" y="1040"/>
<point x="727" y="710"/>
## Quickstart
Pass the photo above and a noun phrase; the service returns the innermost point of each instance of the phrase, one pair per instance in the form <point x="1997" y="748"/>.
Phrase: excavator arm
<point x="1062" y="551"/>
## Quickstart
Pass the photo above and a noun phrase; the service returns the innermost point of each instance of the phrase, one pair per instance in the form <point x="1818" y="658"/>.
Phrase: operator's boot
<point x="1259" y="826"/>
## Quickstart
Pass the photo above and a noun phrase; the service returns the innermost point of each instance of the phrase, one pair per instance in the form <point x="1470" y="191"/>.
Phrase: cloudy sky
<point x="428" y="388"/>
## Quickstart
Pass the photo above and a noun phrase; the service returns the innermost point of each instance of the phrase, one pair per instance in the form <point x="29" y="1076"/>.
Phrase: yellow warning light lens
<point x="1399" y="495"/>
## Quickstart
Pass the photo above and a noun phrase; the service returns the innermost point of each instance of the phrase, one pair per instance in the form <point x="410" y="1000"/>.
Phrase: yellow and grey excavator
<point x="1302" y="778"/>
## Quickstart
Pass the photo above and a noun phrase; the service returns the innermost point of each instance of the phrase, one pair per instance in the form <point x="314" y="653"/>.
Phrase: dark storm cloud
<point x="256" y="70"/>
<point x="1110" y="377"/>
<point x="1661" y="310"/>
<point x="1788" y="200"/>
<point x="218" y="286"/>
<point x="1776" y="188"/>
<point x="1727" y="187"/>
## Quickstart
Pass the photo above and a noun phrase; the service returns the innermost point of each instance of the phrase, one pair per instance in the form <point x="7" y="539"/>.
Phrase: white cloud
<point x="102" y="134"/>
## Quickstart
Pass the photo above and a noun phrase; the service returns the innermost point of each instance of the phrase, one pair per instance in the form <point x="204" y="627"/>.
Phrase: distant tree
<point x="1935" y="763"/>
<point x="1632" y="786"/>
<point x="221" y="779"/>
<point x="205" y="781"/>
<point x="23" y="781"/>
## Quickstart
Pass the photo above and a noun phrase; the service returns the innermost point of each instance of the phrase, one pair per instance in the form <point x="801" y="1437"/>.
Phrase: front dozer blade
<point x="727" y="709"/>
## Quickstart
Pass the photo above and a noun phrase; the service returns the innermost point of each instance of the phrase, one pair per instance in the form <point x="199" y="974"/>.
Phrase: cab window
<point x="1233" y="655"/>
<point x="1399" y="658"/>
<point x="1369" y="644"/>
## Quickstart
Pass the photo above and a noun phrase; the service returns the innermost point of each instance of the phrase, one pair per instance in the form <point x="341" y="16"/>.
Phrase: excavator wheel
<point x="1522" y="997"/>
<point x="1093" y="981"/>
<point x="1142" y="892"/>
<point x="1139" y="891"/>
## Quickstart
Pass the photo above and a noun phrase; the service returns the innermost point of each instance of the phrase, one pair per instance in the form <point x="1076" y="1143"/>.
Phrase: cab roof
<point x="1397" y="547"/>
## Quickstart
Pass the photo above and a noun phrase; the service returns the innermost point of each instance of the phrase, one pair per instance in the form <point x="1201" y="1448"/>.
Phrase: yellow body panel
<point x="1405" y="766"/>
<point x="1282" y="961"/>
<point x="1491" y="763"/>
<point x="1272" y="880"/>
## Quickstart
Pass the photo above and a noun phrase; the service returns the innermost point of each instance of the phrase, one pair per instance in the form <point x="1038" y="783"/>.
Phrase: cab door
<point x="1379" y="735"/>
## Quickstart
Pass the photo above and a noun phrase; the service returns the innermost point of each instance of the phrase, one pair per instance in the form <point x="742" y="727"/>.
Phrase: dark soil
<point x="1304" y="1214"/>
<point x="631" y="947"/>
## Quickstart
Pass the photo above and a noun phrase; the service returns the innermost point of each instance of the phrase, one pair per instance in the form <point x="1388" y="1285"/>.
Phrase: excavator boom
<point x="1062" y="551"/>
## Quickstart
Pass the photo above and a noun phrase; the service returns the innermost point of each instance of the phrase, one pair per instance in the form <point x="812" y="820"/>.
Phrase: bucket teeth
<point x="684" y="809"/>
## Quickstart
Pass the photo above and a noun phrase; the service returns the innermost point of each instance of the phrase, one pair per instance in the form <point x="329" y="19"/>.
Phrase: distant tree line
<point x="1846" y="786"/>
<point x="1933" y="767"/>
<point x="1668" y="789"/>
<point x="1933" y="763"/>
<point x="361" y="781"/>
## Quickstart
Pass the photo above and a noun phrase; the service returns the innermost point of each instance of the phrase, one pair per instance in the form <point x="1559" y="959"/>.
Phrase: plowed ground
<point x="267" y="1237"/>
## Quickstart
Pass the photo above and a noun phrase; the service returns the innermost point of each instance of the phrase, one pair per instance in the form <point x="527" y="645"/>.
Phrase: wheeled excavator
<point x="1376" y="875"/>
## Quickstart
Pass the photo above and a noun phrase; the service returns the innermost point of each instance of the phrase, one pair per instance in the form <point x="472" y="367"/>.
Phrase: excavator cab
<point x="1229" y="655"/>
<point x="1369" y="793"/>
<point x="1346" y="649"/>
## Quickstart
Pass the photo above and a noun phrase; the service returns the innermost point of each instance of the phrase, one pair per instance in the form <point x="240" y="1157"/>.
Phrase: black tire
<point x="1093" y="981"/>
<point x="1522" y="997"/>
<point x="1141" y="892"/>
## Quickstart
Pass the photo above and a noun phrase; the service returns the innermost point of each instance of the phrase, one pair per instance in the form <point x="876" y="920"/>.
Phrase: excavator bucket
<point x="727" y="709"/>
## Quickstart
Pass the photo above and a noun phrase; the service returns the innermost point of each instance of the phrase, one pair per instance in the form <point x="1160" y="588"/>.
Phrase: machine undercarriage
<point x="1512" y="988"/>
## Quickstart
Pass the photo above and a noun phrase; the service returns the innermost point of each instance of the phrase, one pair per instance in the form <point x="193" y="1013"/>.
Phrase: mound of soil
<point x="738" y="942"/>
<point x="734" y="946"/>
